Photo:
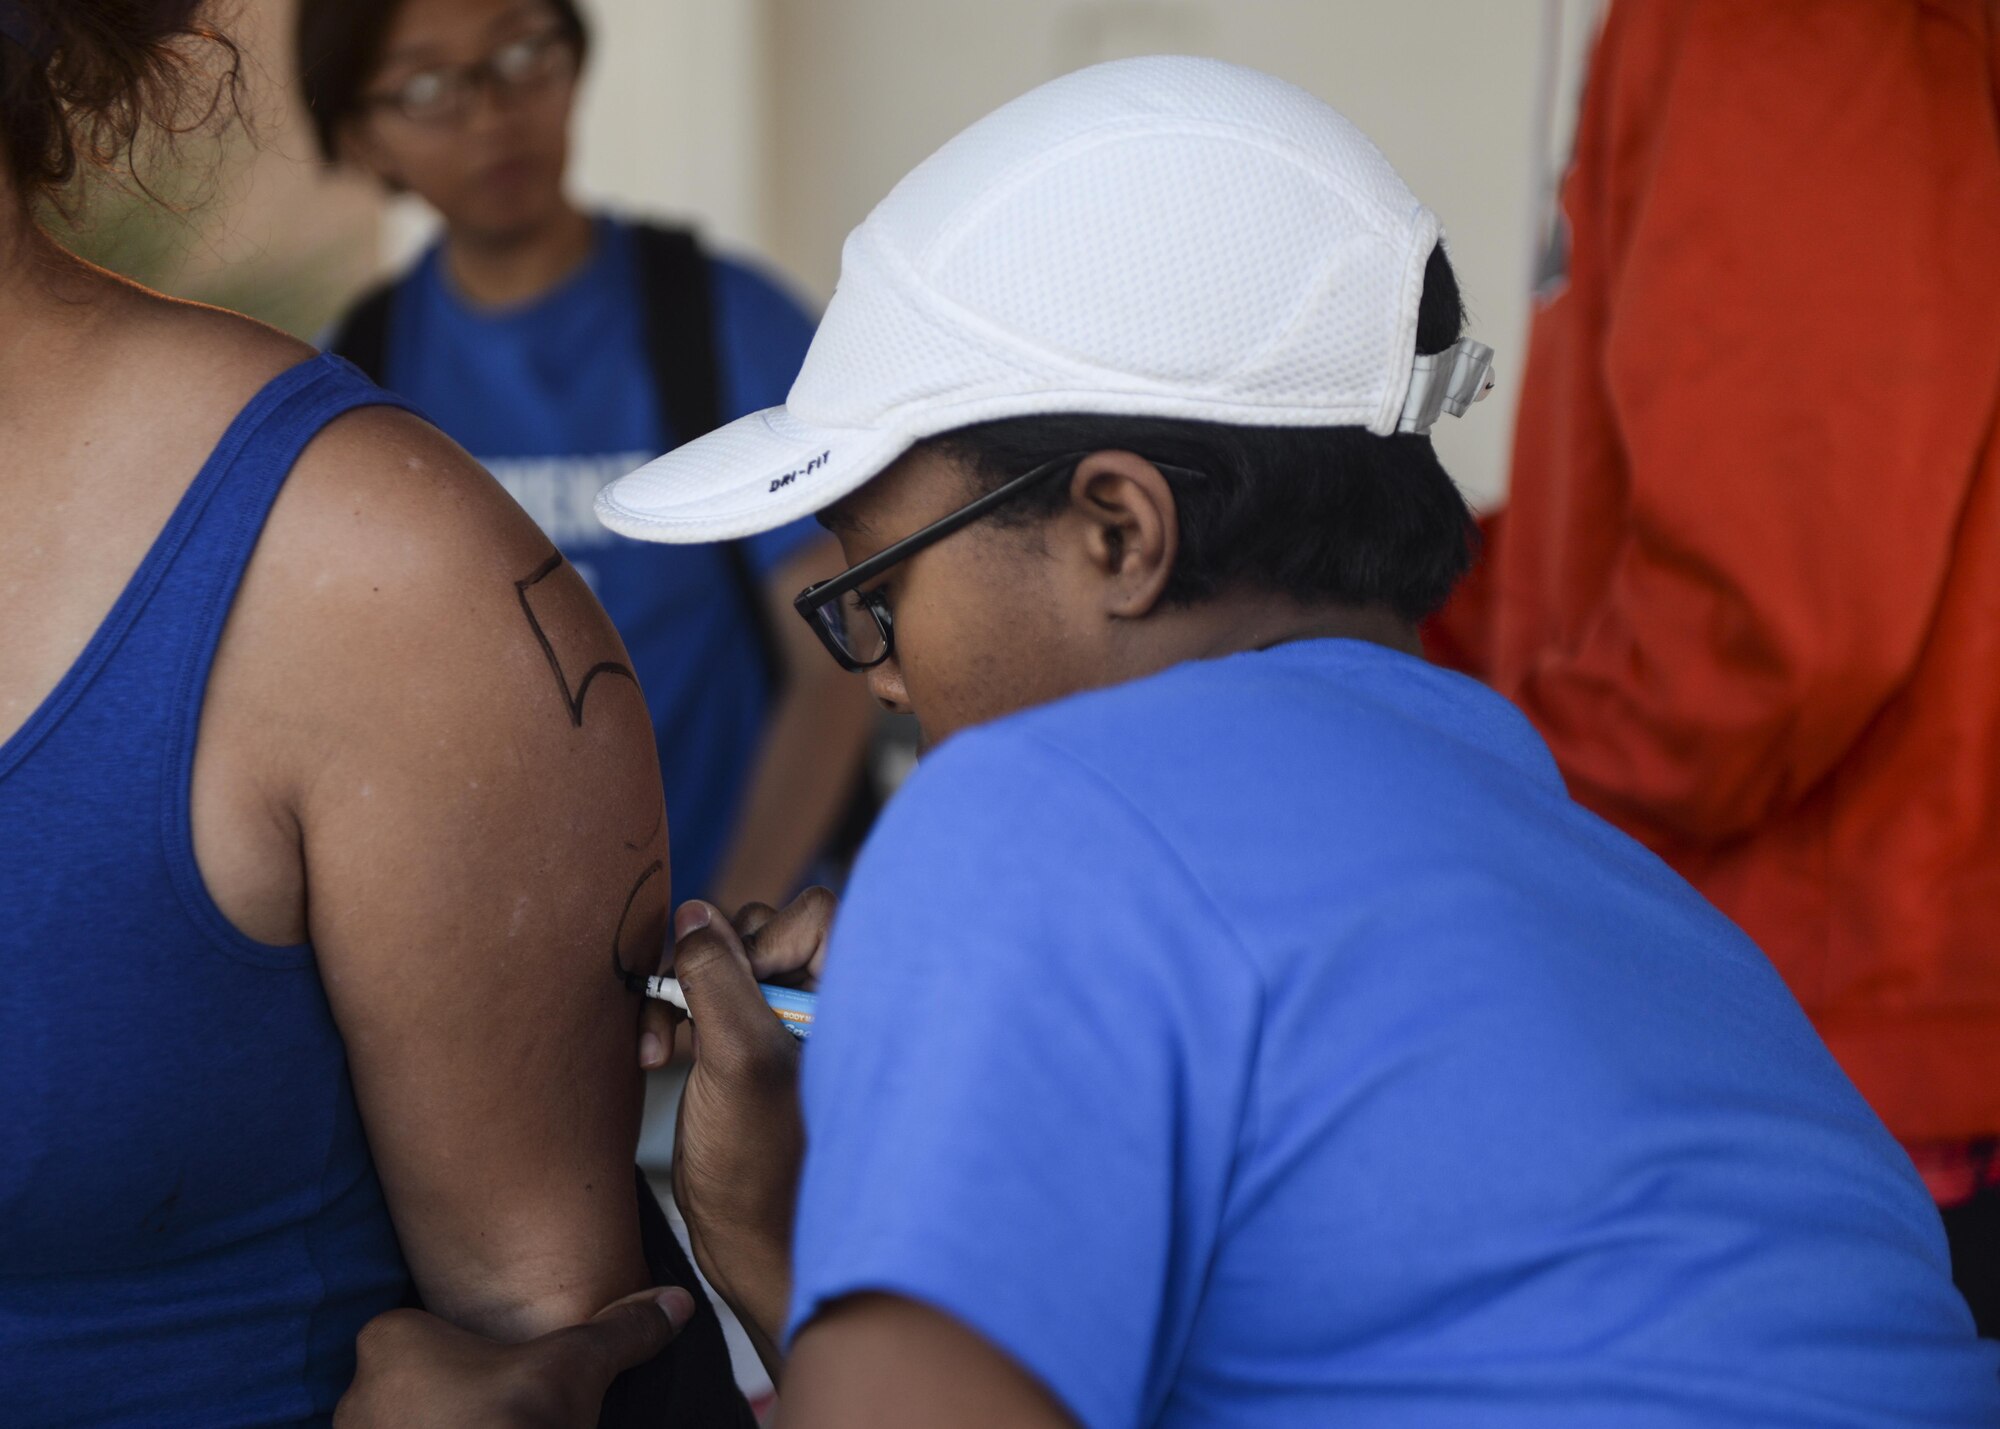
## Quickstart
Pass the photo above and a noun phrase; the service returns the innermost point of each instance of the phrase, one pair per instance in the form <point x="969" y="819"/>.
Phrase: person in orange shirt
<point x="1748" y="585"/>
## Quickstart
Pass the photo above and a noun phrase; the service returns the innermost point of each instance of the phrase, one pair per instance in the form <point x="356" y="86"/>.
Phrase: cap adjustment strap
<point x="1448" y="381"/>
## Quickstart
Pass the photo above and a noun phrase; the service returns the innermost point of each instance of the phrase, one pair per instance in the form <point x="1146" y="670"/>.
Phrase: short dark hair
<point x="1315" y="513"/>
<point x="339" y="45"/>
<point x="86" y="78"/>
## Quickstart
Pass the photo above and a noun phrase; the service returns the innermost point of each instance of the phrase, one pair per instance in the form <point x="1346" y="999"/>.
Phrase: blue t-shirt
<point x="556" y="397"/>
<point x="1273" y="1042"/>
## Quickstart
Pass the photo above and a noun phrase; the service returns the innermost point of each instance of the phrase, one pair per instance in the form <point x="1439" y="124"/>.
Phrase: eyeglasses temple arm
<point x="855" y="576"/>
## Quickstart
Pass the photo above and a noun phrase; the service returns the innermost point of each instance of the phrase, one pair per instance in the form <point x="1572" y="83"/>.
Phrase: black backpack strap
<point x="681" y="345"/>
<point x="680" y="329"/>
<point x="362" y="337"/>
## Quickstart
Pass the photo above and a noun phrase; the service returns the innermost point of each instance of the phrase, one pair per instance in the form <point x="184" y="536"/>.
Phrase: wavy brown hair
<point x="86" y="80"/>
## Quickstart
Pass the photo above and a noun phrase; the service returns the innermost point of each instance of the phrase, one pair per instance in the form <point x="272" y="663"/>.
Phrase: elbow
<point x="512" y="1316"/>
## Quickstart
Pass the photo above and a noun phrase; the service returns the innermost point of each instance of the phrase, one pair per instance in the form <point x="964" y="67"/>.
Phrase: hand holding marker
<point x="783" y="946"/>
<point x="793" y="1008"/>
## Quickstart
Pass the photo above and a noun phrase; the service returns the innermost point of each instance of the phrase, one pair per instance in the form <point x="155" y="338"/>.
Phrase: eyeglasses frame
<point x="815" y="597"/>
<point x="472" y="78"/>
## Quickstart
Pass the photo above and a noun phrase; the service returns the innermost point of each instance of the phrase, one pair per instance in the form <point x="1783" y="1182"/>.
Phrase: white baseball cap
<point x="1165" y="237"/>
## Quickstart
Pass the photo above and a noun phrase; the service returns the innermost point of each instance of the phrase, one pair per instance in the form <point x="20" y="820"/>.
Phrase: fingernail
<point x="692" y="918"/>
<point x="652" y="1051"/>
<point x="677" y="1305"/>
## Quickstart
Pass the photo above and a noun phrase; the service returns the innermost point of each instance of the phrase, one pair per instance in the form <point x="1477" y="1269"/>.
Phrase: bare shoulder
<point x="393" y="566"/>
<point x="382" y="503"/>
<point x="215" y="355"/>
<point x="154" y="383"/>
<point x="381" y="470"/>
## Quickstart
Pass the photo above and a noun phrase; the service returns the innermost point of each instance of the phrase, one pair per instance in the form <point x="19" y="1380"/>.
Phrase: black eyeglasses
<point x="854" y="624"/>
<point x="444" y="95"/>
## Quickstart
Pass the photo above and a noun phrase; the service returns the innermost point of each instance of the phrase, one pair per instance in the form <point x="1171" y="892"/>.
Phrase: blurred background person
<point x="307" y="867"/>
<point x="563" y="347"/>
<point x="1748" y="579"/>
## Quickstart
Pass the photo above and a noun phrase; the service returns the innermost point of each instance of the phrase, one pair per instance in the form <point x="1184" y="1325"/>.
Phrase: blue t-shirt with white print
<point x="556" y="398"/>
<point x="1273" y="1042"/>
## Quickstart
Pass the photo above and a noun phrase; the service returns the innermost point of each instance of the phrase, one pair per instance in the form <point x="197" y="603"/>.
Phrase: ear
<point x="1131" y="529"/>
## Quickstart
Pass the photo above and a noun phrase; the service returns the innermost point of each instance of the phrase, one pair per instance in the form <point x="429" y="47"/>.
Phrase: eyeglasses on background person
<point x="443" y="94"/>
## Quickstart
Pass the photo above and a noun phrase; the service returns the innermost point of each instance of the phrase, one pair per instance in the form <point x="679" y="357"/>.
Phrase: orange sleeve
<point x="1780" y="338"/>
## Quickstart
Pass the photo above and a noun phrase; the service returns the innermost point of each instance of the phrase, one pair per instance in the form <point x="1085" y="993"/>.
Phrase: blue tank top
<point x="191" y="1229"/>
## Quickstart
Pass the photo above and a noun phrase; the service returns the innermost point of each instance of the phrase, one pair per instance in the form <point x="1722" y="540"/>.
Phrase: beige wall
<point x="674" y="116"/>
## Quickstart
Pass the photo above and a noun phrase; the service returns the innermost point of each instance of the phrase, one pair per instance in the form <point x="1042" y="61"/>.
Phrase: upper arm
<point x="479" y="804"/>
<point x="1001" y="1116"/>
<point x="883" y="1362"/>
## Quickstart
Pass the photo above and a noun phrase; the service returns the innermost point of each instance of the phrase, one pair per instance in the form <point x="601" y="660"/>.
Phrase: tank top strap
<point x="202" y="556"/>
<point x="207" y="543"/>
<point x="201" y="551"/>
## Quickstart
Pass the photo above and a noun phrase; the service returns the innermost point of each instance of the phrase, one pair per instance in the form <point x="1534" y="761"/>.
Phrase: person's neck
<point x="1234" y="624"/>
<point x="499" y="272"/>
<point x="19" y="245"/>
<point x="50" y="301"/>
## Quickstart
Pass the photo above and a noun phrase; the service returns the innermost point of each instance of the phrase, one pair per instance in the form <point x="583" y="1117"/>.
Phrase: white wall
<point x="863" y="89"/>
<point x="673" y="115"/>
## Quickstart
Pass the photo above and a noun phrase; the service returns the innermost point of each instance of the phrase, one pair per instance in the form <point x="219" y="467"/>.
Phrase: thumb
<point x="722" y="995"/>
<point x="626" y="1334"/>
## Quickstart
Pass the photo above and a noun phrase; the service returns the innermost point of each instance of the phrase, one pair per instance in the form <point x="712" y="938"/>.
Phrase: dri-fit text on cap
<point x="779" y="483"/>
